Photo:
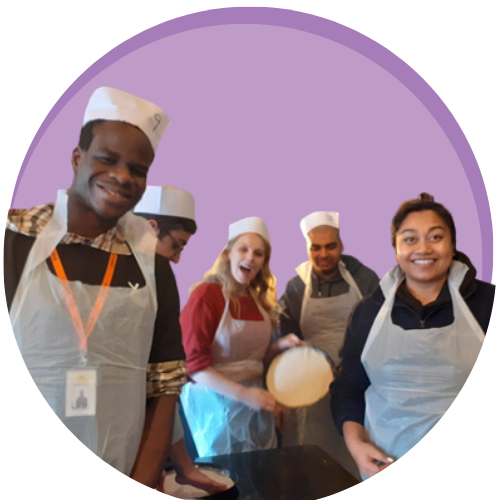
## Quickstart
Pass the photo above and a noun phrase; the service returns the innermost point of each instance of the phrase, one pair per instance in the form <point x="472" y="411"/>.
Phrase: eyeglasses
<point x="177" y="246"/>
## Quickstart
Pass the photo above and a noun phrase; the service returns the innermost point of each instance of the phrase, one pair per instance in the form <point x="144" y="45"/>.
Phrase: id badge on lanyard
<point x="82" y="380"/>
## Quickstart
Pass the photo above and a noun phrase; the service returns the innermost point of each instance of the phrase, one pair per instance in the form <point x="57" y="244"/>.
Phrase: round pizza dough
<point x="299" y="377"/>
<point x="173" y="488"/>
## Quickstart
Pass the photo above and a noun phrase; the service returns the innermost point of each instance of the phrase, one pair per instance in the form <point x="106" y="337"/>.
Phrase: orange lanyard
<point x="84" y="333"/>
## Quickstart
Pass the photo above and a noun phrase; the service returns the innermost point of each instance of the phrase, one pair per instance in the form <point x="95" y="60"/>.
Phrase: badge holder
<point x="81" y="389"/>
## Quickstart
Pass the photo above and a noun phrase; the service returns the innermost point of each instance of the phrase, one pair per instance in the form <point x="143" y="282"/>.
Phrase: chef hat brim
<point x="115" y="105"/>
<point x="317" y="219"/>
<point x="167" y="201"/>
<point x="249" y="225"/>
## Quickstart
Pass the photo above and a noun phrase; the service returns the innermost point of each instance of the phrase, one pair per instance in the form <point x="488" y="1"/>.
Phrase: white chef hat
<point x="166" y="200"/>
<point x="115" y="105"/>
<point x="319" y="219"/>
<point x="249" y="225"/>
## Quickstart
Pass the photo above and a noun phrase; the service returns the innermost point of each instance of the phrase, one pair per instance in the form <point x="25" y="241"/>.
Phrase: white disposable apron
<point x="323" y="322"/>
<point x="221" y="425"/>
<point x="118" y="347"/>
<point x="415" y="375"/>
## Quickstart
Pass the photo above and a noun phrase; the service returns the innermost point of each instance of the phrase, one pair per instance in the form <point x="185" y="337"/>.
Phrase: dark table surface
<point x="296" y="473"/>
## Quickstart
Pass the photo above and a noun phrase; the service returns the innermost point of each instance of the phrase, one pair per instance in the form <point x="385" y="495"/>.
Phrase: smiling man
<point x="318" y="301"/>
<point x="93" y="308"/>
<point x="316" y="306"/>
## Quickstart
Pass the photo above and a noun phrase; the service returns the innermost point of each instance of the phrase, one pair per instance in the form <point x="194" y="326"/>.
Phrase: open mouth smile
<point x="115" y="193"/>
<point x="246" y="271"/>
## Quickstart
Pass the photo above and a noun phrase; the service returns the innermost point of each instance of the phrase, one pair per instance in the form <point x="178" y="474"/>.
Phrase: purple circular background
<point x="277" y="114"/>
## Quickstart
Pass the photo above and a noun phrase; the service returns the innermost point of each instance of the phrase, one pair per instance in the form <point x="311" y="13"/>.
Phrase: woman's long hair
<point x="262" y="288"/>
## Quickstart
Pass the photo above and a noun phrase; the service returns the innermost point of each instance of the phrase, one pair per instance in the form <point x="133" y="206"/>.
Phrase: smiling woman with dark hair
<point x="410" y="346"/>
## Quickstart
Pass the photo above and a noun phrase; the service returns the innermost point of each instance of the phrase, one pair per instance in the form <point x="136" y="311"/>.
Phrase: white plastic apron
<point x="323" y="322"/>
<point x="119" y="345"/>
<point x="415" y="375"/>
<point x="221" y="425"/>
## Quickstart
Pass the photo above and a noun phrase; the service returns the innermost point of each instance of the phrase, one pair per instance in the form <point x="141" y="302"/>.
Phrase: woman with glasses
<point x="227" y="326"/>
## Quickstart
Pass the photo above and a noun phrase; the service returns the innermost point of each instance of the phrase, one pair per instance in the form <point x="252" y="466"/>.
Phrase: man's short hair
<point x="87" y="134"/>
<point x="167" y="223"/>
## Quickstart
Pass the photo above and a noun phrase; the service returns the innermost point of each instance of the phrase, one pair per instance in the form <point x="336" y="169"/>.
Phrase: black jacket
<point x="348" y="390"/>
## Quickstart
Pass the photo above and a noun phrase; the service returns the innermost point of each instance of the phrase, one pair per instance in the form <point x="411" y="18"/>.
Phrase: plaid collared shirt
<point x="32" y="221"/>
<point x="162" y="378"/>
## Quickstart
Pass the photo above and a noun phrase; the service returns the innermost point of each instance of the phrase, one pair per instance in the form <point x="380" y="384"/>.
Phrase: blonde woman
<point x="227" y="327"/>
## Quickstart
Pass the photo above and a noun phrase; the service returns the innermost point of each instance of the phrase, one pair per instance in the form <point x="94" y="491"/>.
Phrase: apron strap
<point x="389" y="285"/>
<point x="84" y="333"/>
<point x="347" y="276"/>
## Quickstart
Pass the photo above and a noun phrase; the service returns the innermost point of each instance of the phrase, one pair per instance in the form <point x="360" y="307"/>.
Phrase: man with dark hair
<point x="90" y="301"/>
<point x="317" y="304"/>
<point x="171" y="213"/>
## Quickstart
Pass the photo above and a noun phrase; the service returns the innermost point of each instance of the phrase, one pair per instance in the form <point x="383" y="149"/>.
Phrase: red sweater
<point x="201" y="317"/>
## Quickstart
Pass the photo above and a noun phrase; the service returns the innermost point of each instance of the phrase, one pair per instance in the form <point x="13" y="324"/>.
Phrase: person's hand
<point x="161" y="482"/>
<point x="369" y="459"/>
<point x="194" y="477"/>
<point x="290" y="340"/>
<point x="387" y="466"/>
<point x="258" y="399"/>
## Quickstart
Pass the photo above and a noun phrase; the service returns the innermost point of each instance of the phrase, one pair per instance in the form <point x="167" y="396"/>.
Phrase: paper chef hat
<point x="115" y="105"/>
<point x="249" y="225"/>
<point x="319" y="219"/>
<point x="166" y="200"/>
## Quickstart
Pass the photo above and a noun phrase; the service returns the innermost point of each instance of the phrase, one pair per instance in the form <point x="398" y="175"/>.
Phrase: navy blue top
<point x="348" y="389"/>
